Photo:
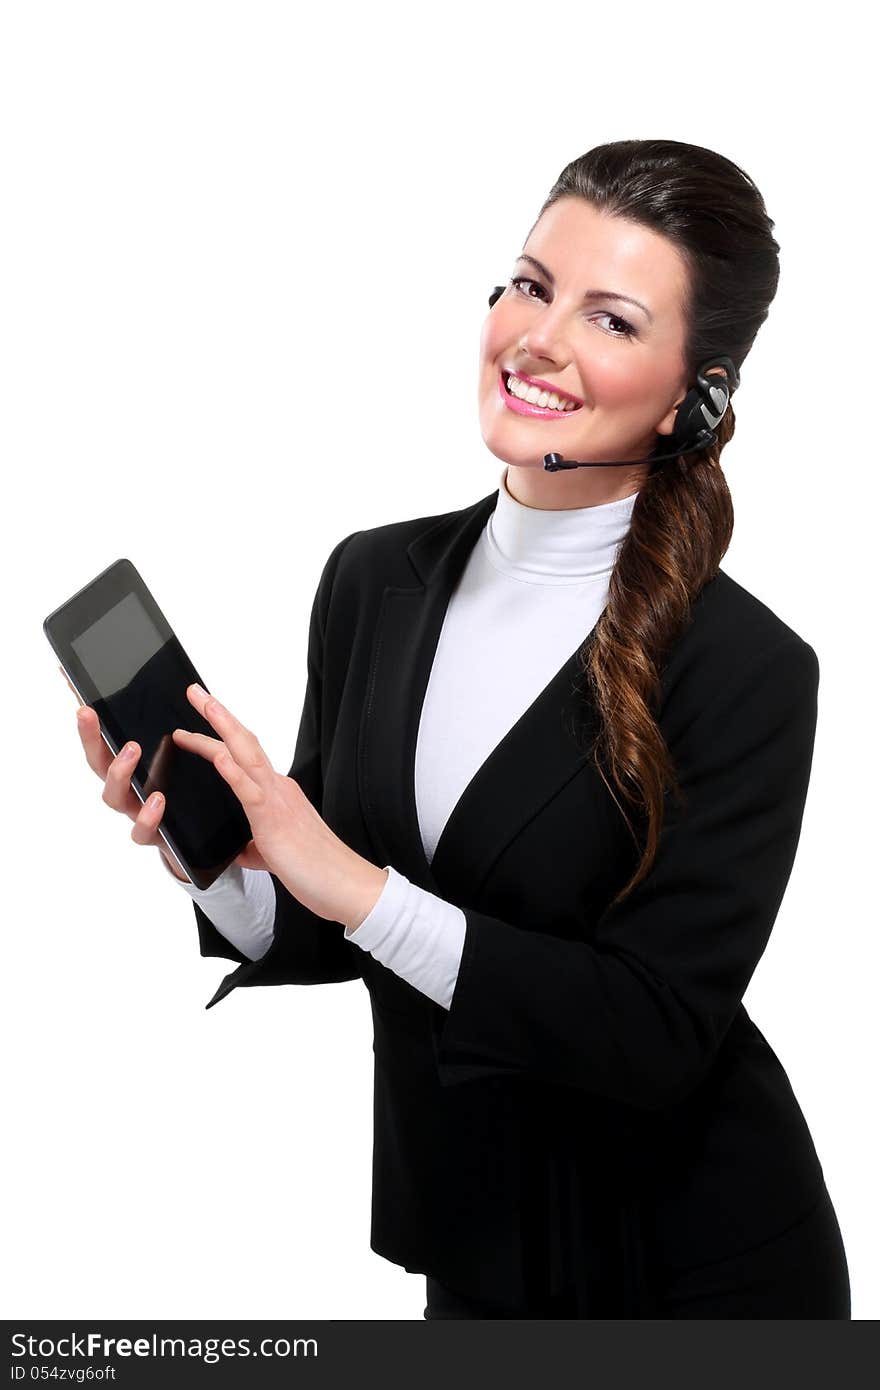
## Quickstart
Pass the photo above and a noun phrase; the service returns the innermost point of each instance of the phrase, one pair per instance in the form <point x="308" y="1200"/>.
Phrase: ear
<point x="667" y="424"/>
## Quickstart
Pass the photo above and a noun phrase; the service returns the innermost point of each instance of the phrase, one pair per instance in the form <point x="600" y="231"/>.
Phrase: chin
<point x="515" y="460"/>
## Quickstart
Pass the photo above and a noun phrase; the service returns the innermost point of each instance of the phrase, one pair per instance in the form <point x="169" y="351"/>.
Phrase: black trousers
<point x="802" y="1273"/>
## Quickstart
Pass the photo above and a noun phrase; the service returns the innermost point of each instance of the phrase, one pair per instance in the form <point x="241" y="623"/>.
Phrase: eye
<point x="627" y="330"/>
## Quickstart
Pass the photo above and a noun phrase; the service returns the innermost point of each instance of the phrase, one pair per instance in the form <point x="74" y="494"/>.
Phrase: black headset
<point x="696" y="418"/>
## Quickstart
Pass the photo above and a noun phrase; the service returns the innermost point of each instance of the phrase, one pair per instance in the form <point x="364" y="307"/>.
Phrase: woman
<point x="546" y="797"/>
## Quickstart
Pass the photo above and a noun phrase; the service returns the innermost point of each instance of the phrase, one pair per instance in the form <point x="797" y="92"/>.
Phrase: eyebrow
<point x="589" y="294"/>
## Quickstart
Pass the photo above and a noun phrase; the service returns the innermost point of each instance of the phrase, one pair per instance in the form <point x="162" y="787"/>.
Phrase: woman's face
<point x="622" y="361"/>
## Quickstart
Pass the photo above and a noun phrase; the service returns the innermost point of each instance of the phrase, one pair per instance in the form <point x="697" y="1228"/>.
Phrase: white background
<point x="246" y="255"/>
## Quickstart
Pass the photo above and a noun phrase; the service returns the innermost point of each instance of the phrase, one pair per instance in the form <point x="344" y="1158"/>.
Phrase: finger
<point x="251" y="858"/>
<point x="202" y="744"/>
<point x="241" y="742"/>
<point x="249" y="793"/>
<point x="145" y="830"/>
<point x="98" y="755"/>
<point x="118" y="793"/>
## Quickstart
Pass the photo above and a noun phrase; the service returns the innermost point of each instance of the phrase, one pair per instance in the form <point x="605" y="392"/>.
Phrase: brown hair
<point x="682" y="518"/>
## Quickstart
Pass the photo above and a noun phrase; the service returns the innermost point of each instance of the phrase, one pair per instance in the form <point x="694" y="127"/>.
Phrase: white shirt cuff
<point x="416" y="934"/>
<point x="241" y="905"/>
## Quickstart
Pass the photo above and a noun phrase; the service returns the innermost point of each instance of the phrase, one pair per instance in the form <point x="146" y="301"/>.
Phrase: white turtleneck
<point x="532" y="589"/>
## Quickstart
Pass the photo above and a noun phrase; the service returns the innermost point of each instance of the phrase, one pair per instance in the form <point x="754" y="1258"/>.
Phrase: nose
<point x="546" y="338"/>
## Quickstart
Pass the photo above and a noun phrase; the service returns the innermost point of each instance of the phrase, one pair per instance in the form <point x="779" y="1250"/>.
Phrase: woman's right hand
<point x="118" y="793"/>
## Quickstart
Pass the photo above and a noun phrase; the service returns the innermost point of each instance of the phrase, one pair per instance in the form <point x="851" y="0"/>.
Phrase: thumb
<point x="250" y="857"/>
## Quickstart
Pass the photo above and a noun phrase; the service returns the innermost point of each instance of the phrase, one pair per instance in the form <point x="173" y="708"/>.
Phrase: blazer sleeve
<point x="306" y="949"/>
<point x="638" y="1013"/>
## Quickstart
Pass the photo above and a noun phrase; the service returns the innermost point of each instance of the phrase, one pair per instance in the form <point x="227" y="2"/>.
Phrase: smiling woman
<point x="581" y="753"/>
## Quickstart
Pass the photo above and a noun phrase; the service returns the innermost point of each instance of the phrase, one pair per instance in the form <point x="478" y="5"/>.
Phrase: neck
<point x="533" y="486"/>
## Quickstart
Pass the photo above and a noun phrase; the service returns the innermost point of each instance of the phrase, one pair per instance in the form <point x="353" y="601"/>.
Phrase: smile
<point x="521" y="407"/>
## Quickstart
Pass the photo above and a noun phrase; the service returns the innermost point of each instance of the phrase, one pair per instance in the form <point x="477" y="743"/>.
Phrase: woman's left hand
<point x="290" y="838"/>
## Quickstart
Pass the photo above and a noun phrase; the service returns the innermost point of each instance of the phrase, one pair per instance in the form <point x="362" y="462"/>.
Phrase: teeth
<point x="535" y="396"/>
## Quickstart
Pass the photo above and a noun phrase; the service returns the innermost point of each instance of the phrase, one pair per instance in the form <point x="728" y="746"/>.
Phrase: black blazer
<point x="596" y="1109"/>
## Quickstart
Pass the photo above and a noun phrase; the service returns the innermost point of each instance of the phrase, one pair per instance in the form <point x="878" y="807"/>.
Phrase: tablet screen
<point x="116" y="646"/>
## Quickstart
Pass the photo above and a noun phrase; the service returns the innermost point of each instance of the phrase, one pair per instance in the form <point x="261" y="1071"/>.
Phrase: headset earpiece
<point x="704" y="405"/>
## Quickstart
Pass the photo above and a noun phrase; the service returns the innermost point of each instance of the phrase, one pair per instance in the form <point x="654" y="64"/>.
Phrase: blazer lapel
<point x="547" y="745"/>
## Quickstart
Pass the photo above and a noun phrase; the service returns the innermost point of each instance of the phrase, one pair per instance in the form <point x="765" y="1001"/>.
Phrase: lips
<point x="525" y="408"/>
<point x="543" y="385"/>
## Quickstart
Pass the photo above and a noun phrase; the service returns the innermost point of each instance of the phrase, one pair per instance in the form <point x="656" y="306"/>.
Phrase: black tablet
<point x="122" y="658"/>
